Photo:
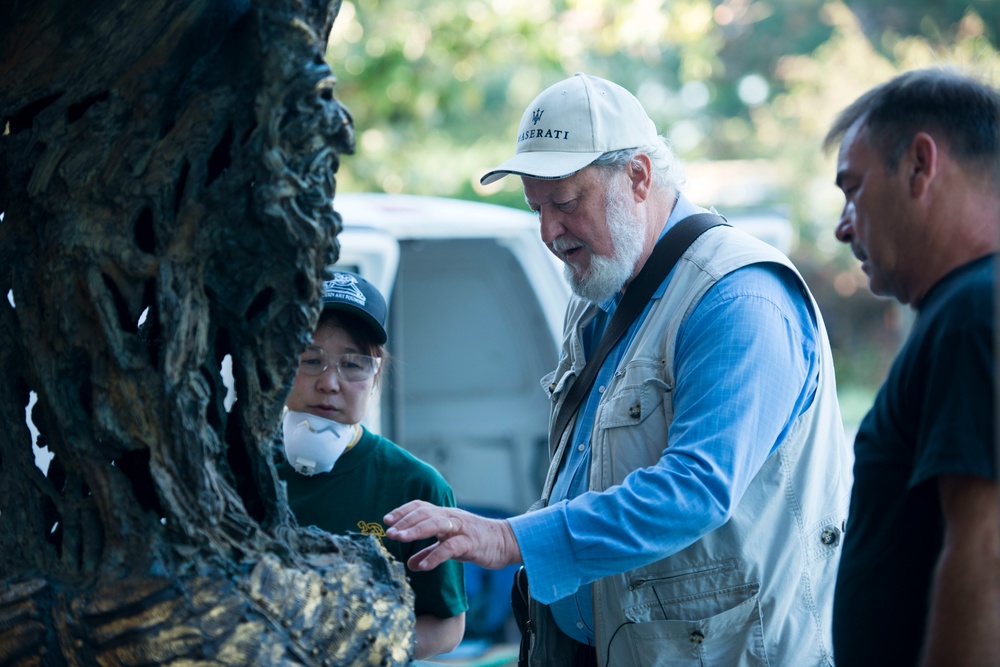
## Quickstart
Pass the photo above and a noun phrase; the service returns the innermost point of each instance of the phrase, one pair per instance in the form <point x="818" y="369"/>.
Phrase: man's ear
<point x="922" y="161"/>
<point x="640" y="173"/>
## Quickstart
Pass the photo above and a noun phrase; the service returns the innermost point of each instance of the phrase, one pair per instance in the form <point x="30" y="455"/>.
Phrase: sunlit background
<point x="744" y="91"/>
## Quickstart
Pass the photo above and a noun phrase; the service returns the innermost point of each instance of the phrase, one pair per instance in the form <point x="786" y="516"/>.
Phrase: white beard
<point x="607" y="275"/>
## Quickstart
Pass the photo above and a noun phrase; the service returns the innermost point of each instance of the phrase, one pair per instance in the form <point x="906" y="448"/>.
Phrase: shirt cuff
<point x="543" y="537"/>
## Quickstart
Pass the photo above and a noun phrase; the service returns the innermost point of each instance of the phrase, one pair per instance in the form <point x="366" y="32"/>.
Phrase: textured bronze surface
<point x="166" y="178"/>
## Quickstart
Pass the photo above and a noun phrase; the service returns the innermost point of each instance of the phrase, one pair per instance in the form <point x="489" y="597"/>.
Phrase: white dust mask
<point x="313" y="444"/>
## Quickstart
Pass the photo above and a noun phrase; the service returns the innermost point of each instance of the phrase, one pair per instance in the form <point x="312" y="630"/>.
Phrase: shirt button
<point x="580" y="448"/>
<point x="696" y="637"/>
<point x="601" y="389"/>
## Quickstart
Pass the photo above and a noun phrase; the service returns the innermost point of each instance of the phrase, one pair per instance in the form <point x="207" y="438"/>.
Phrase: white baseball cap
<point x="571" y="124"/>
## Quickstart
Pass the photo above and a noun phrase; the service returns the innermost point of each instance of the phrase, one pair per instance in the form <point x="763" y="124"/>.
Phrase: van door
<point x="470" y="343"/>
<point x="371" y="253"/>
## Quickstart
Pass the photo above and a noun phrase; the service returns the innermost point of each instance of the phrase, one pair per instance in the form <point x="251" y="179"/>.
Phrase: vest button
<point x="830" y="537"/>
<point x="696" y="637"/>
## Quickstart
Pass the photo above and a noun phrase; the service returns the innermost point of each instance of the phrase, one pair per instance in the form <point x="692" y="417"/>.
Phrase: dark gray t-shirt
<point x="933" y="416"/>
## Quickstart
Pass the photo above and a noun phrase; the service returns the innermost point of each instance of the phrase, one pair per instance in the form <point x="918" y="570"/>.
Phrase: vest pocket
<point x="730" y="638"/>
<point x="697" y="591"/>
<point x="631" y="426"/>
<point x="637" y="399"/>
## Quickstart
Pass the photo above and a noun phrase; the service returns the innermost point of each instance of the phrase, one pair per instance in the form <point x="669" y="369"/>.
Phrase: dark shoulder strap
<point x="666" y="253"/>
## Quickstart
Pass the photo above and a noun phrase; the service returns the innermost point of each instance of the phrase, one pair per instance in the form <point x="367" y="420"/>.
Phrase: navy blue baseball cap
<point x="351" y="293"/>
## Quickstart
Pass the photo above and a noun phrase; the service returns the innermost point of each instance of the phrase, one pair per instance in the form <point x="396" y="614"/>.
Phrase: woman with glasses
<point x="343" y="478"/>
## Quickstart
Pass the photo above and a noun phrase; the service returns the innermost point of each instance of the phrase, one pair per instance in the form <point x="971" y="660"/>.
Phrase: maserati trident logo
<point x="541" y="132"/>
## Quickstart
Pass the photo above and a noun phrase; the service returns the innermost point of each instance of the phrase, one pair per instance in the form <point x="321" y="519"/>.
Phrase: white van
<point x="475" y="318"/>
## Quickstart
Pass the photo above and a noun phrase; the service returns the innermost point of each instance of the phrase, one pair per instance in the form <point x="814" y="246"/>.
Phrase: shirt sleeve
<point x="955" y="432"/>
<point x="746" y="367"/>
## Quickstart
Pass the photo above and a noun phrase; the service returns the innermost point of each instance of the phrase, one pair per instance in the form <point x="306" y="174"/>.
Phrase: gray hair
<point x="668" y="171"/>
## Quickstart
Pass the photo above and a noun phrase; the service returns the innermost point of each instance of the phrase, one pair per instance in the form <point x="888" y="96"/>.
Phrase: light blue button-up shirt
<point x="747" y="366"/>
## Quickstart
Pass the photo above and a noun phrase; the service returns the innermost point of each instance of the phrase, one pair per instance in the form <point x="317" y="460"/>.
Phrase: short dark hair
<point x="963" y="111"/>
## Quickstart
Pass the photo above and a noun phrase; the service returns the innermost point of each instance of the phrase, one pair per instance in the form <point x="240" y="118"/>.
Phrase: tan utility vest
<point x="758" y="590"/>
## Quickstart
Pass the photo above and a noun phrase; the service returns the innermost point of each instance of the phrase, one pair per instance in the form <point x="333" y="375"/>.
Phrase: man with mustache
<point x="694" y="503"/>
<point x="919" y="582"/>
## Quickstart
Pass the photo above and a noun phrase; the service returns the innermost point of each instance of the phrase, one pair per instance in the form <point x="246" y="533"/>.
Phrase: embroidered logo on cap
<point x="344" y="288"/>
<point x="543" y="133"/>
<point x="536" y="116"/>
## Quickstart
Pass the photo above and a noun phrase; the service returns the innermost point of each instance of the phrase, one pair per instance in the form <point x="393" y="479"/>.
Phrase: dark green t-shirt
<point x="370" y="479"/>
<point x="933" y="416"/>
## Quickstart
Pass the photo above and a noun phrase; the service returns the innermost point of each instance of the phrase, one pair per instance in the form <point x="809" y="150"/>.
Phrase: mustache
<point x="563" y="244"/>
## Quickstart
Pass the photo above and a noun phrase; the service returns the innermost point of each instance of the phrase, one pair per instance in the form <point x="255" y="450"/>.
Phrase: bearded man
<point x="697" y="490"/>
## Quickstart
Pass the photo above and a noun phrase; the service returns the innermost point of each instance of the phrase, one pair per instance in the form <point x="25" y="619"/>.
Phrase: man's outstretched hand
<point x="461" y="536"/>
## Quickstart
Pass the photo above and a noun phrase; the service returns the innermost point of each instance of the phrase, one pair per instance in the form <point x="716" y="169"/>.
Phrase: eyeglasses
<point x="350" y="367"/>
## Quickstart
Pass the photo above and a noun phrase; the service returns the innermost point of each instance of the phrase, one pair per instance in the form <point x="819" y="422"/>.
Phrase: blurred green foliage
<point x="437" y="90"/>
